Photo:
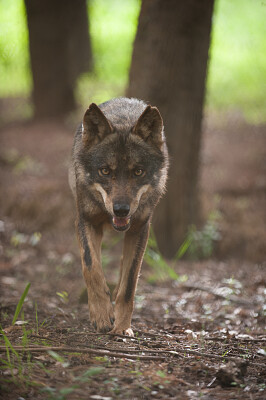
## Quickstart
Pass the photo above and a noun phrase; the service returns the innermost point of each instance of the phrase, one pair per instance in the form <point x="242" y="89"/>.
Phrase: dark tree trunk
<point x="169" y="70"/>
<point x="59" y="50"/>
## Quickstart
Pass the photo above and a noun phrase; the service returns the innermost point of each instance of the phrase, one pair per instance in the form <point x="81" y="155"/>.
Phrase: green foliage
<point x="238" y="58"/>
<point x="15" y="75"/>
<point x="113" y="26"/>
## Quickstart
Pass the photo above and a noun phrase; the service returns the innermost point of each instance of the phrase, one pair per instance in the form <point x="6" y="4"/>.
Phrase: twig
<point x="159" y="351"/>
<point x="180" y="380"/>
<point x="88" y="351"/>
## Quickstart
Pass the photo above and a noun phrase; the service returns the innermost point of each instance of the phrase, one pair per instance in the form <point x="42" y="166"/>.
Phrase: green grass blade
<point x="20" y="303"/>
<point x="36" y="317"/>
<point x="183" y="248"/>
<point x="8" y="345"/>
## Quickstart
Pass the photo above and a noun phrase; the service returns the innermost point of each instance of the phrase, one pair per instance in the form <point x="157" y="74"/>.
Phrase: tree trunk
<point x="59" y="50"/>
<point x="169" y="70"/>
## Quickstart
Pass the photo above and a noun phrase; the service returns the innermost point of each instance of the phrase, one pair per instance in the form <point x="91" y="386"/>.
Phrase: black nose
<point x="121" y="210"/>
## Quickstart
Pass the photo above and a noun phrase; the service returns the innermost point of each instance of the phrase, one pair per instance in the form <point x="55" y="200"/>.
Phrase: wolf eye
<point x="104" y="171"/>
<point x="139" y="172"/>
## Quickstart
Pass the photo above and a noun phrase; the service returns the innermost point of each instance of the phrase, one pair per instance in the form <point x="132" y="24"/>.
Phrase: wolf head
<point x="123" y="155"/>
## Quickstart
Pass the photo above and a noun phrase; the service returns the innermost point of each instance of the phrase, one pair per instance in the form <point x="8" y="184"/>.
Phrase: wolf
<point x="117" y="175"/>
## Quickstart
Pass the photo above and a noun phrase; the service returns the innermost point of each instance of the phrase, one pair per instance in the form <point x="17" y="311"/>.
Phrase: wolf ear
<point x="95" y="126"/>
<point x="150" y="126"/>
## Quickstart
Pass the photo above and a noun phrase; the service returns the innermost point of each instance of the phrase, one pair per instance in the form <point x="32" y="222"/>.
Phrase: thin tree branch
<point x="88" y="351"/>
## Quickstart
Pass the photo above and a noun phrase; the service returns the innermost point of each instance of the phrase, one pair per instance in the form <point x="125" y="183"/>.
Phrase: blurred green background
<point x="237" y="68"/>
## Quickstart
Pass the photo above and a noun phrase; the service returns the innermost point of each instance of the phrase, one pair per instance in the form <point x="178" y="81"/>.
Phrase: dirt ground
<point x="202" y="336"/>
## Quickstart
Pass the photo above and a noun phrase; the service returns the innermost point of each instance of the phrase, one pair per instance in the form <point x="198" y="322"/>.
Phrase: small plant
<point x="18" y="239"/>
<point x="63" y="295"/>
<point x="14" y="363"/>
<point x="154" y="258"/>
<point x="199" y="244"/>
<point x="54" y="394"/>
<point x="4" y="315"/>
<point x="89" y="374"/>
<point x="58" y="358"/>
<point x="9" y="348"/>
<point x="234" y="285"/>
<point x="161" y="374"/>
<point x="20" y="304"/>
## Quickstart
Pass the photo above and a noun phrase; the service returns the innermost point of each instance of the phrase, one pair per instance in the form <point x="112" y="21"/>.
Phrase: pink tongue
<point x="120" y="221"/>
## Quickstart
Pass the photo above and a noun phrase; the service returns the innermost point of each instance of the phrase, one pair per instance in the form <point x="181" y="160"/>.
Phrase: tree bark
<point x="168" y="70"/>
<point x="59" y="51"/>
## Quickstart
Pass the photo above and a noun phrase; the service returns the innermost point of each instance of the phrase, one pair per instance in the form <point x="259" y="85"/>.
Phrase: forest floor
<point x="201" y="336"/>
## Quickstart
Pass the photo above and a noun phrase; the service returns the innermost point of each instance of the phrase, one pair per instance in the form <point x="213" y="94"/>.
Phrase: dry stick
<point x="88" y="351"/>
<point x="166" y="351"/>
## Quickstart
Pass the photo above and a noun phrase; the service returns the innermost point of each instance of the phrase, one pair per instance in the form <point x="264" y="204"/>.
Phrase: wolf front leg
<point x="100" y="307"/>
<point x="133" y="251"/>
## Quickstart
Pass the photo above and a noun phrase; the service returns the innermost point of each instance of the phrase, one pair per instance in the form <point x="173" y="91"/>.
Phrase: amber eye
<point x="104" y="171"/>
<point x="139" y="172"/>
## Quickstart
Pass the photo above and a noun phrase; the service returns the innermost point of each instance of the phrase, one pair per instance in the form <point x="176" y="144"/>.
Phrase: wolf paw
<point x="102" y="320"/>
<point x="121" y="331"/>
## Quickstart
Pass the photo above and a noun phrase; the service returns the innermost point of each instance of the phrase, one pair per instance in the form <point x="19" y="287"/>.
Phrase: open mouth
<point x="121" y="224"/>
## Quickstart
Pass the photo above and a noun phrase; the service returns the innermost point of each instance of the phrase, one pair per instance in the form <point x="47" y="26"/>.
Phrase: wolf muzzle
<point x="121" y="219"/>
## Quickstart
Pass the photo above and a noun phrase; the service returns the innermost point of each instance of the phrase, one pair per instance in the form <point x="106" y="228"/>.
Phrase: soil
<point x="201" y="336"/>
